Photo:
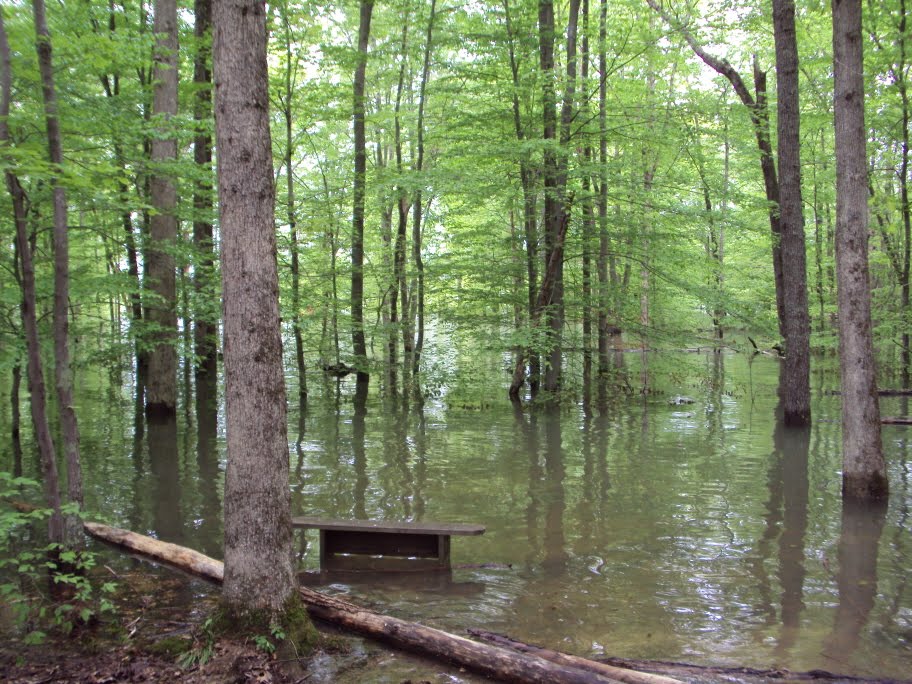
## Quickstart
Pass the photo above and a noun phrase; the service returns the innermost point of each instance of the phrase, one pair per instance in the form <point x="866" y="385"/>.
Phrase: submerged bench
<point x="428" y="541"/>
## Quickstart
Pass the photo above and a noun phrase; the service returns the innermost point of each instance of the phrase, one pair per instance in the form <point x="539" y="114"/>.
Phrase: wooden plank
<point x="369" y="543"/>
<point x="388" y="526"/>
<point x="896" y="420"/>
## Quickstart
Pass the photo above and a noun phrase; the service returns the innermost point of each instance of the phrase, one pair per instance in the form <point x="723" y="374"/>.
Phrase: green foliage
<point x="202" y="648"/>
<point x="45" y="586"/>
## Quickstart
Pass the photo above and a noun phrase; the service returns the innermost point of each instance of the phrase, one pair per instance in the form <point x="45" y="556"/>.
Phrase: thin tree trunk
<point x="864" y="472"/>
<point x="797" y="389"/>
<point x="906" y="211"/>
<point x="62" y="370"/>
<point x="205" y="328"/>
<point x="530" y="222"/>
<point x="588" y="223"/>
<point x="38" y="399"/>
<point x="258" y="536"/>
<point x="161" y="388"/>
<point x="417" y="202"/>
<point x="402" y="206"/>
<point x="357" y="249"/>
<point x="759" y="113"/>
<point x="290" y="86"/>
<point x="603" y="282"/>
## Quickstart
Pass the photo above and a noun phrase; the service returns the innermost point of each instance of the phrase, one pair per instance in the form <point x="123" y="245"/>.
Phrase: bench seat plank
<point x="388" y="527"/>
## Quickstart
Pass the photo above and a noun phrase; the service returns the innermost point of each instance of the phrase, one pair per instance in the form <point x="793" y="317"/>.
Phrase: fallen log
<point x="896" y="420"/>
<point x="491" y="661"/>
<point x="621" y="674"/>
<point x="743" y="674"/>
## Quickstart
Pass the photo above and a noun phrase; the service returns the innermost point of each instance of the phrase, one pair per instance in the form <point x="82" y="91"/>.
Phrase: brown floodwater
<point x="681" y="523"/>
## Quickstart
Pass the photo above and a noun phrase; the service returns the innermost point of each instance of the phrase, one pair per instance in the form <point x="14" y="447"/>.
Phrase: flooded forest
<point x="626" y="283"/>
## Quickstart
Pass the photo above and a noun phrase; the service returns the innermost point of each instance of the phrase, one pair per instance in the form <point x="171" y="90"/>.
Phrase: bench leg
<point x="443" y="550"/>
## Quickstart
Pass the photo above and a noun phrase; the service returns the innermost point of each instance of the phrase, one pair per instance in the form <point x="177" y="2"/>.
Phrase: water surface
<point x="680" y="523"/>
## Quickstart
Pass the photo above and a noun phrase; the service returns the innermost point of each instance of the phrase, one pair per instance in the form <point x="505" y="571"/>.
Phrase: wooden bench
<point x="427" y="541"/>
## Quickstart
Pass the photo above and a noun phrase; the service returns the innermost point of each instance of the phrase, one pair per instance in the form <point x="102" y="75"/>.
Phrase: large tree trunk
<point x="38" y="399"/>
<point x="359" y="343"/>
<point x="63" y="376"/>
<point x="161" y="387"/>
<point x="864" y="473"/>
<point x="205" y="327"/>
<point x="797" y="390"/>
<point x="258" y="535"/>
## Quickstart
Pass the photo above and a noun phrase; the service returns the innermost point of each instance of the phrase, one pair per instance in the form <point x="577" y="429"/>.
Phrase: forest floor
<point x="157" y="618"/>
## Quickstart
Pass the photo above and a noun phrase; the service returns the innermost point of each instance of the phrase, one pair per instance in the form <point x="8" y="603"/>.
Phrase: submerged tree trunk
<point x="359" y="343"/>
<point x="161" y="387"/>
<point x="864" y="473"/>
<point x="63" y="376"/>
<point x="258" y="536"/>
<point x="38" y="398"/>
<point x="797" y="396"/>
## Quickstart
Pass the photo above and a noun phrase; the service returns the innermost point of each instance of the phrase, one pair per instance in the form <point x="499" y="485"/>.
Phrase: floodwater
<point x="681" y="523"/>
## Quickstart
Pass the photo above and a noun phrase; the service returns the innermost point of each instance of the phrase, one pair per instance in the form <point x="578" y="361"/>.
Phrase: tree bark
<point x="619" y="673"/>
<point x="359" y="343"/>
<point x="38" y="398"/>
<point x="258" y="534"/>
<point x="797" y="388"/>
<point x="161" y="387"/>
<point x="63" y="375"/>
<point x="205" y="329"/>
<point x="864" y="472"/>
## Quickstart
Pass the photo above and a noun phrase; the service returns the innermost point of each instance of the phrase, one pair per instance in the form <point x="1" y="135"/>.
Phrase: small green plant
<point x="71" y="598"/>
<point x="268" y="644"/>
<point x="203" y="647"/>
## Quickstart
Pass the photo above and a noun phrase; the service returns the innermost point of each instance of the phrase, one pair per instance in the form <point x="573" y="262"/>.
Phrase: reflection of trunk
<point x="864" y="472"/>
<point x="62" y="372"/>
<point x="208" y="463"/>
<point x="862" y="525"/>
<point x="556" y="557"/>
<point x="358" y="449"/>
<point x="37" y="395"/>
<point x="161" y="386"/>
<point x="164" y="467"/>
<point x="792" y="445"/>
<point x="359" y="343"/>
